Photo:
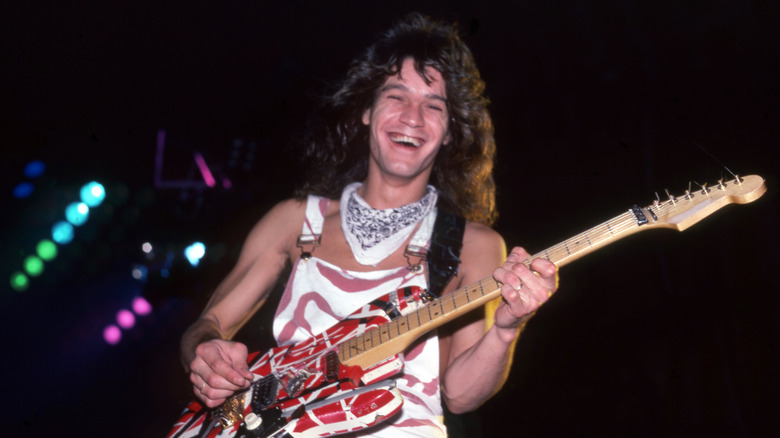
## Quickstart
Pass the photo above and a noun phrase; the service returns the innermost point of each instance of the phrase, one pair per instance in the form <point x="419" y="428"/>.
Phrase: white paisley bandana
<point x="375" y="234"/>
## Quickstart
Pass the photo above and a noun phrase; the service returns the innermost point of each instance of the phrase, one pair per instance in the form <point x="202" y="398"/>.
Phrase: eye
<point x="435" y="108"/>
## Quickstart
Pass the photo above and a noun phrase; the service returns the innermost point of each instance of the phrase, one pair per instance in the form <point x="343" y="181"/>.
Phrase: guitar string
<point x="599" y="234"/>
<point x="467" y="291"/>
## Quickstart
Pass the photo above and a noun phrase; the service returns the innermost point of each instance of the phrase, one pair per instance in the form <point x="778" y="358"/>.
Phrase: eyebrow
<point x="402" y="87"/>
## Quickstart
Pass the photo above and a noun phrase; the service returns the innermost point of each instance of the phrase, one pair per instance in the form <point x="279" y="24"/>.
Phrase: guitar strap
<point x="444" y="252"/>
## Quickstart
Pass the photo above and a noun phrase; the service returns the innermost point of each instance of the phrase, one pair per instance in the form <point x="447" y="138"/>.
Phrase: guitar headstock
<point x="684" y="210"/>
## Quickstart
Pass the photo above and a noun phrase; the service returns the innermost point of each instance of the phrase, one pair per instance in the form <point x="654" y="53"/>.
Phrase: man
<point x="406" y="135"/>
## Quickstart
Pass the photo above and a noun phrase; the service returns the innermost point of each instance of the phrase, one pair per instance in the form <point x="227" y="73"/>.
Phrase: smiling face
<point x="408" y="123"/>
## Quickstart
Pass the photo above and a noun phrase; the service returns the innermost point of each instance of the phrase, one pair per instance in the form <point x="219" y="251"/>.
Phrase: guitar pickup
<point x="264" y="392"/>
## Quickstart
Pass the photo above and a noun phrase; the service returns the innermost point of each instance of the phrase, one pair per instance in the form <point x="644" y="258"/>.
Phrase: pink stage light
<point x="208" y="178"/>
<point x="141" y="306"/>
<point x="125" y="319"/>
<point x="112" y="334"/>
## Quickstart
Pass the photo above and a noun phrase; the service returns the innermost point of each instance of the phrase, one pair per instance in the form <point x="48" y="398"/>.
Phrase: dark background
<point x="597" y="106"/>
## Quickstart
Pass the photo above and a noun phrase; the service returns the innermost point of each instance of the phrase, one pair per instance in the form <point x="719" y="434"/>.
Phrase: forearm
<point x="479" y="372"/>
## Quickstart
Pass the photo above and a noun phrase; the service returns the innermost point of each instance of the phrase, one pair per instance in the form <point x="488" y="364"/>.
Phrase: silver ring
<point x="518" y="288"/>
<point x="202" y="386"/>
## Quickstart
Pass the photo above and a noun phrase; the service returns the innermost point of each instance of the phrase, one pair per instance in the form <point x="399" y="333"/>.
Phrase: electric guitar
<point x="340" y="380"/>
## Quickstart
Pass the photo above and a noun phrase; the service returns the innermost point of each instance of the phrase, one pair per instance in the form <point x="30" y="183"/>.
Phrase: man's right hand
<point x="218" y="370"/>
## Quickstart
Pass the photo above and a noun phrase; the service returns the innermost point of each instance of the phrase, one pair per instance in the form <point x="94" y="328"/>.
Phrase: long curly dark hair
<point x="336" y="148"/>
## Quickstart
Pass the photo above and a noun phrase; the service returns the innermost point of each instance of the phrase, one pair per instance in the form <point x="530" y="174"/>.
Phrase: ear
<point x="366" y="116"/>
<point x="447" y="138"/>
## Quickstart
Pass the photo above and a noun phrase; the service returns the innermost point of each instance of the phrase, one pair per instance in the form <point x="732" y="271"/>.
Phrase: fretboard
<point x="394" y="336"/>
<point x="678" y="213"/>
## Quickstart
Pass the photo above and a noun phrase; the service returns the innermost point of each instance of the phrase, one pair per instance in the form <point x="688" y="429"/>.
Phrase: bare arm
<point x="216" y="365"/>
<point x="478" y="355"/>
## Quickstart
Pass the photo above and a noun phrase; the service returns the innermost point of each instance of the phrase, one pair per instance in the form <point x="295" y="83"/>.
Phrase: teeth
<point x="407" y="140"/>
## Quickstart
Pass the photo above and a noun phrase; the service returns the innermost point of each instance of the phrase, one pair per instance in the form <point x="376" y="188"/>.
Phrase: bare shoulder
<point x="481" y="235"/>
<point x="283" y="212"/>
<point x="278" y="228"/>
<point x="483" y="250"/>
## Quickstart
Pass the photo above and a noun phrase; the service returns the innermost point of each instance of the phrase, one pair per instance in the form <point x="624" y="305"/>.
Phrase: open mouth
<point x="405" y="140"/>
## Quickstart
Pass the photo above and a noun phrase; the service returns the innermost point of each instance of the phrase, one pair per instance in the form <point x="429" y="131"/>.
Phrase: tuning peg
<point x="688" y="194"/>
<point x="671" y="197"/>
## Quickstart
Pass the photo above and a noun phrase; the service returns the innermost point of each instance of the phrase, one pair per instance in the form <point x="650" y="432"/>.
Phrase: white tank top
<point x="320" y="294"/>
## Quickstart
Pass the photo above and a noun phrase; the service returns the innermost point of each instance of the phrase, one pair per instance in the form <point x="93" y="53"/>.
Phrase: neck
<point x="382" y="192"/>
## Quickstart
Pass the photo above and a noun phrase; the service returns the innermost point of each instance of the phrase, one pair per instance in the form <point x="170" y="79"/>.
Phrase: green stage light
<point x="33" y="265"/>
<point x="19" y="281"/>
<point x="46" y="250"/>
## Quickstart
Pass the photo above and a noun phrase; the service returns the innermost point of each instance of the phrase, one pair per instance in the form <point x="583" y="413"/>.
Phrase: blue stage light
<point x="195" y="252"/>
<point x="93" y="194"/>
<point x="77" y="213"/>
<point x="23" y="190"/>
<point x="62" y="232"/>
<point x="34" y="169"/>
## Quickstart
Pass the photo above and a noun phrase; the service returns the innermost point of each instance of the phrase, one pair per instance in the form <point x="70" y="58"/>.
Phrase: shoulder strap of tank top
<point x="310" y="236"/>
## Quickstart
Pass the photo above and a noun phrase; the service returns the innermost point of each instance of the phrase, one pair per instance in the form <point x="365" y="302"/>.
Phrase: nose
<point x="412" y="115"/>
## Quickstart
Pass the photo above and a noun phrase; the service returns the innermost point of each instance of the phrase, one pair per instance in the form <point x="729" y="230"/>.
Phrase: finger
<point x="505" y="276"/>
<point x="544" y="267"/>
<point x="239" y="354"/>
<point x="518" y="254"/>
<point x="225" y="376"/>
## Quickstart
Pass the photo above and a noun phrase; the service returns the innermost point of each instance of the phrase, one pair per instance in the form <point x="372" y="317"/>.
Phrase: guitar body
<point x="303" y="390"/>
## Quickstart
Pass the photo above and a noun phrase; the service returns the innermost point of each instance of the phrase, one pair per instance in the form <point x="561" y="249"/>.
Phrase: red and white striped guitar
<point x="340" y="380"/>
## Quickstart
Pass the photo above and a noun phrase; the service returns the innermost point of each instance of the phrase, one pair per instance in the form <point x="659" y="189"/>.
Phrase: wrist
<point x="510" y="333"/>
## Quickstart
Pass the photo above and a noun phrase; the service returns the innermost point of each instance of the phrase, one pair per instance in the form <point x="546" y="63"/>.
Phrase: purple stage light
<point x="125" y="319"/>
<point x="112" y="334"/>
<point x="141" y="306"/>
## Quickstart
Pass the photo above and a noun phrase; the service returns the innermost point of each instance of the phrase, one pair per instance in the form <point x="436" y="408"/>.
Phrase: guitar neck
<point x="393" y="337"/>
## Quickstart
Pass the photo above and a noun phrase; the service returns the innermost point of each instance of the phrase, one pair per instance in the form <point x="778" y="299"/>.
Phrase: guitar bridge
<point x="231" y="412"/>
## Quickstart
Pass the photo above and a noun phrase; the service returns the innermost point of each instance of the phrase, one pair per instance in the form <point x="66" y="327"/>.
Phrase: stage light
<point x="93" y="194"/>
<point x="112" y="334"/>
<point x="195" y="252"/>
<point x="140" y="272"/>
<point x="34" y="169"/>
<point x="19" y="281"/>
<point x="46" y="250"/>
<point x="23" y="190"/>
<point x="77" y="213"/>
<point x="33" y="266"/>
<point x="146" y="247"/>
<point x="125" y="319"/>
<point x="62" y="232"/>
<point x="141" y="306"/>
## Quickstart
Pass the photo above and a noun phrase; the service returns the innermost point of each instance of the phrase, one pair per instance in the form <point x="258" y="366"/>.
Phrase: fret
<point x="454" y="304"/>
